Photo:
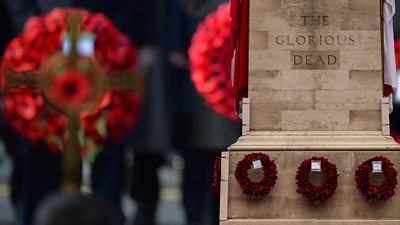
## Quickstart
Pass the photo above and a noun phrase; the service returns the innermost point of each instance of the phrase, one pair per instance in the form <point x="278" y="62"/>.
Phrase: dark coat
<point x="203" y="128"/>
<point x="396" y="21"/>
<point x="200" y="8"/>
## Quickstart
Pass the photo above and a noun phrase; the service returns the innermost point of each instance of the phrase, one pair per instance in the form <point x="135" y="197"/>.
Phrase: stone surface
<point x="315" y="85"/>
<point x="258" y="40"/>
<point x="311" y="222"/>
<point x="365" y="80"/>
<point x="364" y="5"/>
<point x="315" y="65"/>
<point x="284" y="203"/>
<point x="315" y="140"/>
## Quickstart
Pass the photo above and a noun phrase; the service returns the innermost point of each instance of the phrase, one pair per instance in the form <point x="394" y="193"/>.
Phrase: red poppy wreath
<point x="29" y="54"/>
<point x="368" y="189"/>
<point x="319" y="192"/>
<point x="259" y="188"/>
<point x="210" y="56"/>
<point x="216" y="176"/>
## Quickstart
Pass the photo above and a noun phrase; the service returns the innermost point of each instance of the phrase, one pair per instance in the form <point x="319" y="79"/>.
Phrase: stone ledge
<point x="310" y="222"/>
<point x="315" y="140"/>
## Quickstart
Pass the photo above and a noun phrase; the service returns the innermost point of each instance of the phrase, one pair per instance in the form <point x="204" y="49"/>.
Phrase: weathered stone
<point x="282" y="97"/>
<point x="264" y="80"/>
<point x="347" y="96"/>
<point x="315" y="60"/>
<point x="315" y="87"/>
<point x="284" y="203"/>
<point x="360" y="60"/>
<point x="364" y="5"/>
<point x="258" y="40"/>
<point x="365" y="117"/>
<point x="322" y="40"/>
<point x="269" y="60"/>
<point x="366" y="80"/>
<point x="260" y="6"/>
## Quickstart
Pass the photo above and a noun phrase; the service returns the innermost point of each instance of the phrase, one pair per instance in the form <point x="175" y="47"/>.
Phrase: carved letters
<point x="314" y="59"/>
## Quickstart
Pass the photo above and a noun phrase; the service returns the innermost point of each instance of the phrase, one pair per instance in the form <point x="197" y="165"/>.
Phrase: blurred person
<point x="200" y="133"/>
<point x="396" y="22"/>
<point x="75" y="209"/>
<point x="175" y="117"/>
<point x="13" y="143"/>
<point x="151" y="139"/>
<point x="395" y="115"/>
<point x="21" y="150"/>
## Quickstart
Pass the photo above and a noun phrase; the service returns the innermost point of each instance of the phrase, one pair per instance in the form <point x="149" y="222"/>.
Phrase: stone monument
<point x="315" y="89"/>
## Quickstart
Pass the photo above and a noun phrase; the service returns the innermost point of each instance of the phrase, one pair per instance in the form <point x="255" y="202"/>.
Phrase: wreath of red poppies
<point x="216" y="175"/>
<point x="259" y="188"/>
<point x="210" y="56"/>
<point x="317" y="192"/>
<point x="368" y="189"/>
<point x="25" y="108"/>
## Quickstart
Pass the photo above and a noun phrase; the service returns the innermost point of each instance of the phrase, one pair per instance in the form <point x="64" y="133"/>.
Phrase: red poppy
<point x="71" y="89"/>
<point x="26" y="106"/>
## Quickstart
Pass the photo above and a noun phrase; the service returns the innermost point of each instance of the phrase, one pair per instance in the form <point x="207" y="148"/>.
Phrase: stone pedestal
<point x="315" y="89"/>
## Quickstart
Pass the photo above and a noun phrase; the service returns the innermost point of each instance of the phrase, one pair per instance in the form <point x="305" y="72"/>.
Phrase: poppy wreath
<point x="317" y="192"/>
<point x="265" y="185"/>
<point x="216" y="176"/>
<point x="373" y="192"/>
<point x="26" y="110"/>
<point x="210" y="56"/>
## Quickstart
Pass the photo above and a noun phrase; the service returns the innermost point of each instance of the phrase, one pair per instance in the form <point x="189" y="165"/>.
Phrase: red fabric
<point x="240" y="23"/>
<point x="387" y="90"/>
<point x="395" y="135"/>
<point x="397" y="52"/>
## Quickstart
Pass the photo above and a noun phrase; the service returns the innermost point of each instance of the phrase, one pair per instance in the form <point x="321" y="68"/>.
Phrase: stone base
<point x="315" y="140"/>
<point x="311" y="222"/>
<point x="283" y="205"/>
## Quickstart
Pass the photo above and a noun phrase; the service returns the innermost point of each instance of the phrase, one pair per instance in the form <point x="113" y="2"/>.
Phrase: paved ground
<point x="170" y="210"/>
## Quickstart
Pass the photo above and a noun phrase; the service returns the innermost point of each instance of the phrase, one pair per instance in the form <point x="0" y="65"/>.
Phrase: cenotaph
<point x="315" y="89"/>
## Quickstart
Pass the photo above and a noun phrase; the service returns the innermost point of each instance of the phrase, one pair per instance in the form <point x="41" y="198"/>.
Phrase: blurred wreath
<point x="38" y="51"/>
<point x="210" y="56"/>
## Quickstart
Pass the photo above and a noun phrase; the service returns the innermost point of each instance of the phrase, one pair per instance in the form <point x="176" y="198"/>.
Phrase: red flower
<point x="24" y="110"/>
<point x="71" y="89"/>
<point x="26" y="107"/>
<point x="16" y="56"/>
<point x="123" y="115"/>
<point x="120" y="115"/>
<point x="210" y="58"/>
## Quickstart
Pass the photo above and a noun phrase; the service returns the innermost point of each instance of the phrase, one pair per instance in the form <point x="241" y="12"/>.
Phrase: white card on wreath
<point x="257" y="164"/>
<point x="377" y="166"/>
<point x="316" y="165"/>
